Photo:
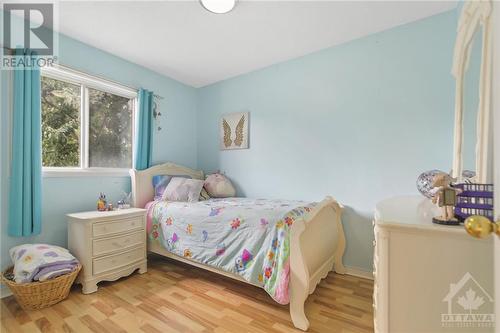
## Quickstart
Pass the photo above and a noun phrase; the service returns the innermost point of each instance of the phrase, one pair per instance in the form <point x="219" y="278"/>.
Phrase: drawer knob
<point x="481" y="227"/>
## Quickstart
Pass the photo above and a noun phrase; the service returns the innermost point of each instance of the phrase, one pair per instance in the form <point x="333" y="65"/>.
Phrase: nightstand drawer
<point x="107" y="245"/>
<point x="108" y="263"/>
<point x="116" y="226"/>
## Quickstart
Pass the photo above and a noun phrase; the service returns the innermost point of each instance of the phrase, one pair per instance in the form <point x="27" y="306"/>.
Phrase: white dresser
<point x="109" y="245"/>
<point x="422" y="270"/>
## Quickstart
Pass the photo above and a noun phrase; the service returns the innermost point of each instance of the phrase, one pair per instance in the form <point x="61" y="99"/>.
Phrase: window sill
<point x="77" y="172"/>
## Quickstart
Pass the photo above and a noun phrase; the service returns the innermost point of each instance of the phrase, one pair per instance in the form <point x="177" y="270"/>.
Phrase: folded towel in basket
<point x="52" y="270"/>
<point x="40" y="262"/>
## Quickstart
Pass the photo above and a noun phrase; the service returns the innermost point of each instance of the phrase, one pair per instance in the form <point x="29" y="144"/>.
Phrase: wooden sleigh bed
<point x="316" y="246"/>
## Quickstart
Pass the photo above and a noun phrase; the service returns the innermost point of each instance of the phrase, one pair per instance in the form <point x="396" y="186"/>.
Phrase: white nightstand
<point x="109" y="245"/>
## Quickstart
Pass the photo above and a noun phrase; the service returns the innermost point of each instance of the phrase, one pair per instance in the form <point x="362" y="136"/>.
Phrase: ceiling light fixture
<point x="218" y="6"/>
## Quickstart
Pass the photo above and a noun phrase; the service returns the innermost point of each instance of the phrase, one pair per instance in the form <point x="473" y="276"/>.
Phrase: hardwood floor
<point x="174" y="297"/>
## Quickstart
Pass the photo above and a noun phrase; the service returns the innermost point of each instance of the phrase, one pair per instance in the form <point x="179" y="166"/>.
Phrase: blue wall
<point x="359" y="121"/>
<point x="175" y="142"/>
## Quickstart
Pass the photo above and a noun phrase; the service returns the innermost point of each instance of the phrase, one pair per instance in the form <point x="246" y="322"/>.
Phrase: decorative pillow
<point x="218" y="186"/>
<point x="183" y="189"/>
<point x="160" y="183"/>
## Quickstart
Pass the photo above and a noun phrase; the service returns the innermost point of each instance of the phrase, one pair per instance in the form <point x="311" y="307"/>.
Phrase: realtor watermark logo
<point x="469" y="305"/>
<point x="28" y="35"/>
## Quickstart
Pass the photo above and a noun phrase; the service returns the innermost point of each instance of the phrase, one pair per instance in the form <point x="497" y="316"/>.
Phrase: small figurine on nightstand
<point x="124" y="203"/>
<point x="101" y="202"/>
<point x="445" y="196"/>
<point x="120" y="204"/>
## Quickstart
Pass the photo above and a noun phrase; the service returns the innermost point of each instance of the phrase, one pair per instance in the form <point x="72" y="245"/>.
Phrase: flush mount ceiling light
<point x="218" y="6"/>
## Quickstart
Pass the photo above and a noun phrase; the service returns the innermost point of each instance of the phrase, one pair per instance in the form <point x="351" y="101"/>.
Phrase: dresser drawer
<point x="107" y="245"/>
<point x="111" y="262"/>
<point x="117" y="226"/>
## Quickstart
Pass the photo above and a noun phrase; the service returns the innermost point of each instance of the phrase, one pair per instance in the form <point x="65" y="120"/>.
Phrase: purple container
<point x="475" y="199"/>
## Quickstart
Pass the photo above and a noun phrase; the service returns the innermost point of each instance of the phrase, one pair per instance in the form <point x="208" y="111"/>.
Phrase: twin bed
<point x="285" y="247"/>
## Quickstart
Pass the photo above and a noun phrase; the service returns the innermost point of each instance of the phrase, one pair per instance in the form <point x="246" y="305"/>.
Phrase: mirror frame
<point x="475" y="15"/>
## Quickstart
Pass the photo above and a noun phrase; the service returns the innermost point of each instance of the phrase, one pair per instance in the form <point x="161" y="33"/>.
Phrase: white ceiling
<point x="183" y="41"/>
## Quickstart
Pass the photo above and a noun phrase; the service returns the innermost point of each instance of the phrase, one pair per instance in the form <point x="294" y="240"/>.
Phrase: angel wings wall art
<point x="234" y="131"/>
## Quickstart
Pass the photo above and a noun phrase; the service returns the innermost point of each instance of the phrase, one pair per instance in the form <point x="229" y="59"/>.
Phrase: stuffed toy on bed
<point x="218" y="186"/>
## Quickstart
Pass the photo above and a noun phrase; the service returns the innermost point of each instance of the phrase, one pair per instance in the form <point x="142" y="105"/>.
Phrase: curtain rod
<point x="106" y="79"/>
<point x="97" y="76"/>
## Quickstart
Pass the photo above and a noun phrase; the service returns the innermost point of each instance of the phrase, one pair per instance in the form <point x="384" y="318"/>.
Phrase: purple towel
<point x="58" y="268"/>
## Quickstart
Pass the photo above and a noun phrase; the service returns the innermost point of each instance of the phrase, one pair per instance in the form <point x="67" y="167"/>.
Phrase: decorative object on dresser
<point x="234" y="124"/>
<point x="422" y="269"/>
<point x="445" y="196"/>
<point x="424" y="182"/>
<point x="425" y="179"/>
<point x="474" y="199"/>
<point x="109" y="245"/>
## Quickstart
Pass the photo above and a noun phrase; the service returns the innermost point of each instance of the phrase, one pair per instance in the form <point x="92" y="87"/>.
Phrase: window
<point x="110" y="130"/>
<point x="60" y="123"/>
<point x="87" y="124"/>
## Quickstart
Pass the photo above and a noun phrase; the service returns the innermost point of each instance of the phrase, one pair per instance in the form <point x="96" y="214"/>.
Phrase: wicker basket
<point x="38" y="295"/>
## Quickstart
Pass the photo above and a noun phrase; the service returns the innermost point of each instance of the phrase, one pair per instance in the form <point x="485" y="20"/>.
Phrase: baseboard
<point x="4" y="291"/>
<point x="359" y="272"/>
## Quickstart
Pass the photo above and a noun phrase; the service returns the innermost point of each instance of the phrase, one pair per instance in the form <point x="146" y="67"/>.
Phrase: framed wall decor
<point x="233" y="131"/>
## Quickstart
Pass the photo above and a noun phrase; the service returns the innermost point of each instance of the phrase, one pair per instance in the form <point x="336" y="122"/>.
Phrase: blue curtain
<point x="144" y="131"/>
<point x="25" y="196"/>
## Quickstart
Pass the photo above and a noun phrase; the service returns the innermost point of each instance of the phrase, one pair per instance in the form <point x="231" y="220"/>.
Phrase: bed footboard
<point x="317" y="247"/>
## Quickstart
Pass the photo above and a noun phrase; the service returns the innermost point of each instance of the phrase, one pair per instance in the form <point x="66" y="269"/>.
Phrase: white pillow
<point x="183" y="189"/>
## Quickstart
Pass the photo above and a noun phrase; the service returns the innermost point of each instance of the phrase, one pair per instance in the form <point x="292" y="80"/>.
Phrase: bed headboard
<point x="142" y="180"/>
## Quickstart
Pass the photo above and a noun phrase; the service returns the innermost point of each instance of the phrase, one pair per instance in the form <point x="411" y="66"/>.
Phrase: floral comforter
<point x="248" y="237"/>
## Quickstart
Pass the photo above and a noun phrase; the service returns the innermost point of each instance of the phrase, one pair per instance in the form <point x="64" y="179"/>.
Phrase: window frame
<point x="85" y="82"/>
